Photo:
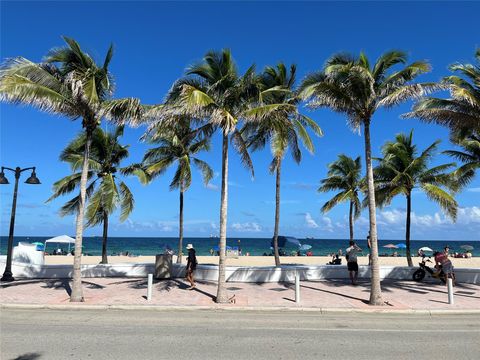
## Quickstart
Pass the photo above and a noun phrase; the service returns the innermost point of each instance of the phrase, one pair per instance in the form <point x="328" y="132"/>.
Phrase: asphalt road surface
<point x="208" y="334"/>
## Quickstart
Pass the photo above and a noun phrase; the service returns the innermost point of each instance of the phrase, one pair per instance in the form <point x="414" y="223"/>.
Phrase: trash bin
<point x="163" y="266"/>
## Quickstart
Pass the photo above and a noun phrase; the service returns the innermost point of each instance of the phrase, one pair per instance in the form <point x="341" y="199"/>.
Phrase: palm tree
<point x="105" y="192"/>
<point x="282" y="129"/>
<point x="178" y="143"/>
<point x="344" y="174"/>
<point x="401" y="170"/>
<point x="214" y="90"/>
<point x="70" y="83"/>
<point x="462" y="110"/>
<point x="357" y="89"/>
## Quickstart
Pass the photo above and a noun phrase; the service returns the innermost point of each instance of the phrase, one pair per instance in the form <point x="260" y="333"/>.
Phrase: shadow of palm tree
<point x="20" y="282"/>
<point x="92" y="285"/>
<point x="28" y="356"/>
<point x="429" y="287"/>
<point x="58" y="284"/>
<point x="335" y="293"/>
<point x="184" y="286"/>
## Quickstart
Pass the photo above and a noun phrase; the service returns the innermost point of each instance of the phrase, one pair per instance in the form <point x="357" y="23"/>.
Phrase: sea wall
<point x="233" y="274"/>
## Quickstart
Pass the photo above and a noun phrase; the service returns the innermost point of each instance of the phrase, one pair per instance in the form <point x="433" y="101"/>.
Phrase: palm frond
<point x="206" y="170"/>
<point x="240" y="146"/>
<point x="127" y="201"/>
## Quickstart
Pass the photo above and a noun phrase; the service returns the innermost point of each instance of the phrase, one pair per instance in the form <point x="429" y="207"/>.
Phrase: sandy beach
<point x="259" y="260"/>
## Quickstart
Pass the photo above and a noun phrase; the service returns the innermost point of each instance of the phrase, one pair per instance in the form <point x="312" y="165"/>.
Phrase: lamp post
<point x="32" y="180"/>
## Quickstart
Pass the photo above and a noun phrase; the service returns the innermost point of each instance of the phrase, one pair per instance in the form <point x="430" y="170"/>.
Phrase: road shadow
<point x="28" y="356"/>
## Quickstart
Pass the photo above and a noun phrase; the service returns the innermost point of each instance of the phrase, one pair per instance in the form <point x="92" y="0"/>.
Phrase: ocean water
<point x="254" y="246"/>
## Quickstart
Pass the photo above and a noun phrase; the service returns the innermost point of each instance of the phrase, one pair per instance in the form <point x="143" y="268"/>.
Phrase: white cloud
<point x="163" y="226"/>
<point x="465" y="216"/>
<point x="213" y="187"/>
<point x="392" y="217"/>
<point x="247" y="227"/>
<point x="327" y="224"/>
<point x="310" y="222"/>
<point x="234" y="184"/>
<point x="468" y="215"/>
<point x="302" y="185"/>
<point x="475" y="189"/>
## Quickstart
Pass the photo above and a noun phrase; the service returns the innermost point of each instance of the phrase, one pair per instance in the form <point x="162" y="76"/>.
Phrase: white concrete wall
<point x="233" y="274"/>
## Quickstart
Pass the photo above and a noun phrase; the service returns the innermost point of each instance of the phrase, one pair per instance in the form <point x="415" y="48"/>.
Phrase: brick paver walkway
<point x="320" y="294"/>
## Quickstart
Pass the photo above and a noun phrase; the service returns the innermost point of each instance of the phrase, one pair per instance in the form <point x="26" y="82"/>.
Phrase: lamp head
<point x="3" y="179"/>
<point x="33" y="180"/>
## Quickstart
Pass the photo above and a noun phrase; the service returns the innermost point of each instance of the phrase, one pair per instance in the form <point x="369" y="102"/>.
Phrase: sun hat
<point x="189" y="246"/>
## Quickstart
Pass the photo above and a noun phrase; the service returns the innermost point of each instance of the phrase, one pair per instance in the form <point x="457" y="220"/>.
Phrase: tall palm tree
<point x="344" y="174"/>
<point x="105" y="192"/>
<point x="462" y="110"/>
<point x="178" y="143"/>
<point x="281" y="129"/>
<point x="350" y="85"/>
<point x="401" y="170"/>
<point x="214" y="90"/>
<point x="70" y="83"/>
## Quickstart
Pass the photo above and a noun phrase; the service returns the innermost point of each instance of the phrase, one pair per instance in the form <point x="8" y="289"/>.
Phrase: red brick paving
<point x="314" y="294"/>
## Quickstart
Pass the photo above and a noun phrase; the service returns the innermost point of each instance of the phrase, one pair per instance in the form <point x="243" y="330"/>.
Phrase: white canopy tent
<point x="62" y="239"/>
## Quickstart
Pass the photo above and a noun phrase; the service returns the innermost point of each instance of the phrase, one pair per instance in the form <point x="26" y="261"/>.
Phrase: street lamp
<point x="32" y="180"/>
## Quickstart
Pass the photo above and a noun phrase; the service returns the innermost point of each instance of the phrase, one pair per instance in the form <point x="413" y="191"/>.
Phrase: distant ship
<point x="310" y="238"/>
<point x="214" y="236"/>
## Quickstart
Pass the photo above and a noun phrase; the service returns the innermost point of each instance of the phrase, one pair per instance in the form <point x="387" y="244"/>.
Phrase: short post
<point x="450" y="290"/>
<point x="297" y="286"/>
<point x="150" y="287"/>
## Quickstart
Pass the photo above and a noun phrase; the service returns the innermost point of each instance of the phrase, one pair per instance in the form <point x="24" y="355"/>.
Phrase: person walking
<point x="352" y="264"/>
<point x="191" y="266"/>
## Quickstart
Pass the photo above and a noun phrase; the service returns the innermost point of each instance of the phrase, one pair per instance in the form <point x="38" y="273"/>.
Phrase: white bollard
<point x="450" y="290"/>
<point x="297" y="287"/>
<point x="150" y="287"/>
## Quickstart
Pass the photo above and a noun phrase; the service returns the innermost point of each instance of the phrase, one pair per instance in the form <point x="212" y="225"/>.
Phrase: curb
<point x="322" y="311"/>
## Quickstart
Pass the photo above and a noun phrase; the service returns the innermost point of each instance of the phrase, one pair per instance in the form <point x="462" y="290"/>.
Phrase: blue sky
<point x="155" y="42"/>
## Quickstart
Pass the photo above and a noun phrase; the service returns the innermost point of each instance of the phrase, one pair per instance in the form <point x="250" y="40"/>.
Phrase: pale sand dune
<point x="258" y="260"/>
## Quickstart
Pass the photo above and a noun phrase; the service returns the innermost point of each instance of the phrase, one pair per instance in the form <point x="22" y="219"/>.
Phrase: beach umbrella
<point x="390" y="246"/>
<point x="425" y="248"/>
<point x="40" y="246"/>
<point x="401" y="246"/>
<point x="467" y="247"/>
<point x="284" y="240"/>
<point x="217" y="248"/>
<point x="305" y="247"/>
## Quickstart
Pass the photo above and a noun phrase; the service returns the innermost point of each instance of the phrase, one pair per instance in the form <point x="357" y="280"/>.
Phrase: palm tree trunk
<point x="105" y="236"/>
<point x="375" y="290"/>
<point x="180" y="228"/>
<point x="277" y="214"/>
<point x="77" y="291"/>
<point x="222" y="296"/>
<point x="407" y="229"/>
<point x="350" y="220"/>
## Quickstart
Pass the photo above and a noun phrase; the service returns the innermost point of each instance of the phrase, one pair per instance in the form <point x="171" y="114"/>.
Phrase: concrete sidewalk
<point x="328" y="294"/>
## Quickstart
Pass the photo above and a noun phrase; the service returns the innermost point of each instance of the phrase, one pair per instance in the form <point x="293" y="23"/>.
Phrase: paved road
<point x="202" y="334"/>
